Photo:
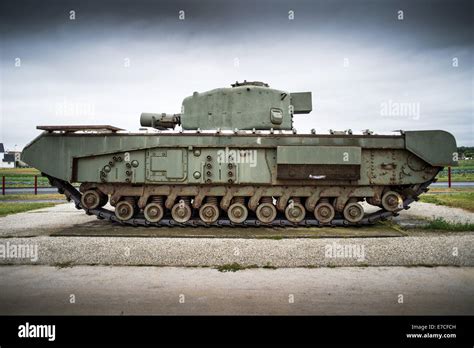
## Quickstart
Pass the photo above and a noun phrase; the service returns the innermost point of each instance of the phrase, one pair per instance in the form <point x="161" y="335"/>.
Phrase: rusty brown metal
<point x="253" y="202"/>
<point x="171" y="198"/>
<point x="342" y="198"/>
<point x="199" y="198"/>
<point x="254" y="192"/>
<point x="77" y="128"/>
<point x="310" y="203"/>
<point x="227" y="199"/>
<point x="283" y="200"/>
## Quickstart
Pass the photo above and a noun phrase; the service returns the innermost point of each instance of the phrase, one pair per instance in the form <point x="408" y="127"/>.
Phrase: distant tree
<point x="467" y="151"/>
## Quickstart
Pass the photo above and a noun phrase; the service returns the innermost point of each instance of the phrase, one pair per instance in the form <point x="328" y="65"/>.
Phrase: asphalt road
<point x="30" y="190"/>
<point x="167" y="290"/>
<point x="453" y="184"/>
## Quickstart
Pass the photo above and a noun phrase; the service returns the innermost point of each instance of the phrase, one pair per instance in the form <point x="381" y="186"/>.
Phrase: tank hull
<point x="256" y="158"/>
<point x="270" y="175"/>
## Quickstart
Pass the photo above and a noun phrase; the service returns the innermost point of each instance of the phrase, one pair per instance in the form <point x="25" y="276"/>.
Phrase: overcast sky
<point x="366" y="67"/>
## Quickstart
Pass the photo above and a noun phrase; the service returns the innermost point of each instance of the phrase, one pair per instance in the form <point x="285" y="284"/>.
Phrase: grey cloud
<point x="80" y="64"/>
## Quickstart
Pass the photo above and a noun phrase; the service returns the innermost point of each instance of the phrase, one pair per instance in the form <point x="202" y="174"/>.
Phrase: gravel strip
<point x="412" y="250"/>
<point x="432" y="211"/>
<point x="59" y="216"/>
<point x="449" y="249"/>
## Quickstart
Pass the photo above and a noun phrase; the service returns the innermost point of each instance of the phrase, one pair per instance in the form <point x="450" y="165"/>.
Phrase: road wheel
<point x="124" y="210"/>
<point x="295" y="212"/>
<point x="238" y="213"/>
<point x="392" y="201"/>
<point x="181" y="211"/>
<point x="153" y="212"/>
<point x="324" y="212"/>
<point x="91" y="199"/>
<point x="266" y="211"/>
<point x="209" y="213"/>
<point x="353" y="212"/>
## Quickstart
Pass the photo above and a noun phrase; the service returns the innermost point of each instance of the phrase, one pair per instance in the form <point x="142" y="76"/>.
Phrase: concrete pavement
<point x="167" y="290"/>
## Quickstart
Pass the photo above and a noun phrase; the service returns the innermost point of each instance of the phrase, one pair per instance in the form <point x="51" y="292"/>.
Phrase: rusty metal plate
<point x="77" y="128"/>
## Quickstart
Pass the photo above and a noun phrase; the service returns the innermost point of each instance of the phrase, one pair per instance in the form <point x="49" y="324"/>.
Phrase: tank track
<point x="73" y="194"/>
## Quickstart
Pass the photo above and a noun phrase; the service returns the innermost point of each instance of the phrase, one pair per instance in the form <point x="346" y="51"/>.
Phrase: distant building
<point x="10" y="159"/>
<point x="6" y="161"/>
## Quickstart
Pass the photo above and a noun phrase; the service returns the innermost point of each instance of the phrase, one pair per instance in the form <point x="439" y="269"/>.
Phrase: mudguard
<point x="435" y="147"/>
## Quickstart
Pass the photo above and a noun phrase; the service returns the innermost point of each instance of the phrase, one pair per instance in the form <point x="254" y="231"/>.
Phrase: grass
<point x="23" y="177"/>
<point x="234" y="267"/>
<point x="441" y="224"/>
<point x="19" y="171"/>
<point x="66" y="264"/>
<point x="31" y="197"/>
<point x="392" y="225"/>
<point x="457" y="178"/>
<point x="271" y="237"/>
<point x="464" y="200"/>
<point x="13" y="208"/>
<point x="466" y="163"/>
<point x="25" y="181"/>
<point x="464" y="172"/>
<point x="269" y="266"/>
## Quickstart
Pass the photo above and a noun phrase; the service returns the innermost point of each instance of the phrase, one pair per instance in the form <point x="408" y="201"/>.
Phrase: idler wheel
<point x="209" y="213"/>
<point x="392" y="201"/>
<point x="92" y="199"/>
<point x="153" y="212"/>
<point x="124" y="210"/>
<point x="238" y="212"/>
<point x="266" y="212"/>
<point x="181" y="211"/>
<point x="324" y="212"/>
<point x="295" y="212"/>
<point x="353" y="212"/>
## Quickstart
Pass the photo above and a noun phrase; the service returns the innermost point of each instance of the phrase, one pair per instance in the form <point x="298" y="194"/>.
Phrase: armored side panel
<point x="264" y="159"/>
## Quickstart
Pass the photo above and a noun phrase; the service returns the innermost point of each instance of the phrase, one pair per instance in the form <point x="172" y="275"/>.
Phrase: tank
<point x="232" y="157"/>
